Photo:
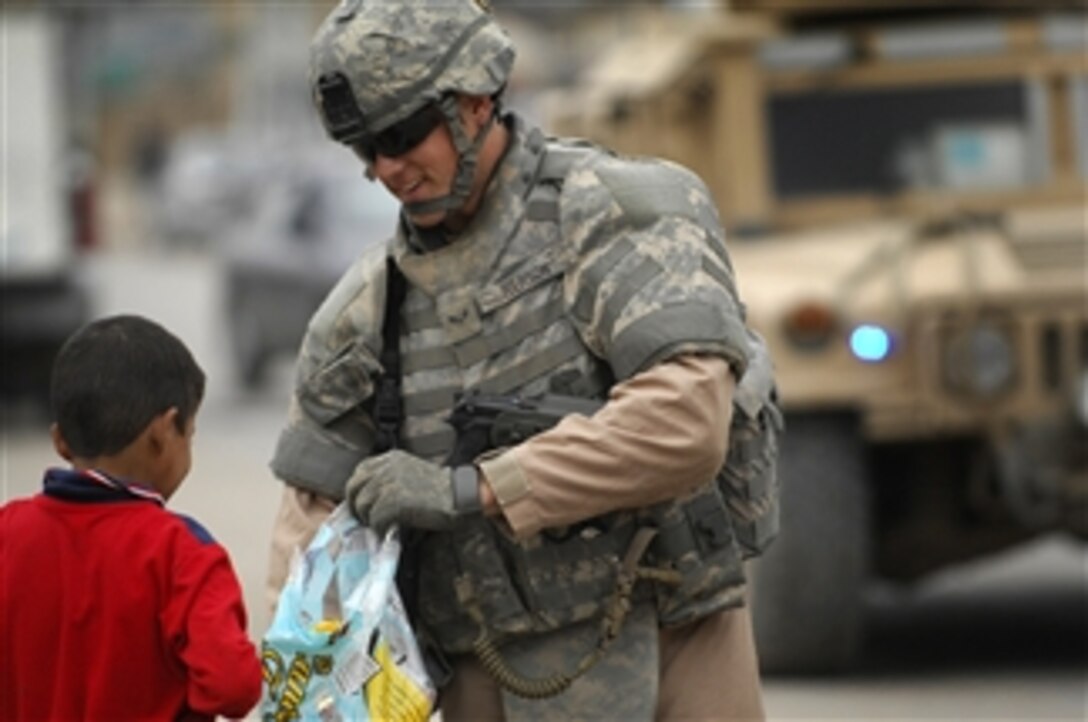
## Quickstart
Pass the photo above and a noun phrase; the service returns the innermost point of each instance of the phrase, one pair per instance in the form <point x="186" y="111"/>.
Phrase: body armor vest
<point x="493" y="319"/>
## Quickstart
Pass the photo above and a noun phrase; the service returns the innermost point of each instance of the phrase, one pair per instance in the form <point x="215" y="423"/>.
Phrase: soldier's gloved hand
<point x="398" y="488"/>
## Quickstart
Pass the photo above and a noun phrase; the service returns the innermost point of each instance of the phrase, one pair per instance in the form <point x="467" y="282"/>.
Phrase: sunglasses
<point x="399" y="138"/>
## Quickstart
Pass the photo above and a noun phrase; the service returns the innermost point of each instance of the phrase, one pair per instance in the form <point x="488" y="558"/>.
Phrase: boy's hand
<point x="398" y="488"/>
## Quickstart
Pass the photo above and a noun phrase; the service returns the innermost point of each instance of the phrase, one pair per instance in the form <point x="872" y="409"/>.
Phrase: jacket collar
<point x="93" y="486"/>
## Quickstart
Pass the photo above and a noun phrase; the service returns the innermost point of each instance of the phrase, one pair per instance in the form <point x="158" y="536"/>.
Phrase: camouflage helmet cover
<point x="399" y="55"/>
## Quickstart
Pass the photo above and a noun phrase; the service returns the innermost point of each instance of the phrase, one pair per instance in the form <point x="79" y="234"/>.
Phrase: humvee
<point x="905" y="194"/>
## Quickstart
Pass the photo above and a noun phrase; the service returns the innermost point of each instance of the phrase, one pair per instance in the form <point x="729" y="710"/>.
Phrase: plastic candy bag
<point x="340" y="647"/>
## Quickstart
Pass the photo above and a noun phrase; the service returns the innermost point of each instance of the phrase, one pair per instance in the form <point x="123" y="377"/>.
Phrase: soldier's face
<point x="426" y="171"/>
<point x="423" y="173"/>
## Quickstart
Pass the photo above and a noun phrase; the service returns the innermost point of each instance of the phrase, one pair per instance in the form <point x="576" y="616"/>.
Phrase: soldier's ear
<point x="479" y="107"/>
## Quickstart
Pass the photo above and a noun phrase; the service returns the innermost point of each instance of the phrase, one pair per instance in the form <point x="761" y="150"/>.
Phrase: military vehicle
<point x="905" y="188"/>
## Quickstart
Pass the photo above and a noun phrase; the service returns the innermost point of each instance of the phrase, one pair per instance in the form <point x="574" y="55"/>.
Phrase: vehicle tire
<point x="807" y="588"/>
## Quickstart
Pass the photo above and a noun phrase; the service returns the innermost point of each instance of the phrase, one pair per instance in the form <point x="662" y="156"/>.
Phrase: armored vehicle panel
<point x="906" y="199"/>
<point x="809" y="293"/>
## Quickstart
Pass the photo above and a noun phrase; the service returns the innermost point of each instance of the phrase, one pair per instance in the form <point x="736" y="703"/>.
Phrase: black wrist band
<point x="465" y="482"/>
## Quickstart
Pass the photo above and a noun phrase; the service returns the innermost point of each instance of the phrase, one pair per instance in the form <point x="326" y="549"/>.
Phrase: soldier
<point x="591" y="571"/>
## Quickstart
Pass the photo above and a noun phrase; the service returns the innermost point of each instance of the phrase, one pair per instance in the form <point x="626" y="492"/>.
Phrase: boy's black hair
<point x="116" y="374"/>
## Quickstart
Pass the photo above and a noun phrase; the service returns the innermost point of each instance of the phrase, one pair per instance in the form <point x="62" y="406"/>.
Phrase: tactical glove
<point x="398" y="488"/>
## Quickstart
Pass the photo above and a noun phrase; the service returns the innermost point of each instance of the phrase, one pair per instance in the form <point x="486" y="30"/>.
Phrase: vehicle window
<point x="834" y="142"/>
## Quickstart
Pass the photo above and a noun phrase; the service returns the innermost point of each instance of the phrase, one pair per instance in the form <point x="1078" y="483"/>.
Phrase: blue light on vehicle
<point x="870" y="343"/>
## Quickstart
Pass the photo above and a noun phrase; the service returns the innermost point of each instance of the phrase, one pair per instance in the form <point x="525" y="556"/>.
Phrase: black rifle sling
<point x="388" y="406"/>
<point x="388" y="417"/>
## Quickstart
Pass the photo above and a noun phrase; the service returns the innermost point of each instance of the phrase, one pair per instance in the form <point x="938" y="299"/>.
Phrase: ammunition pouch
<point x="696" y="538"/>
<point x="749" y="478"/>
<point x="562" y="577"/>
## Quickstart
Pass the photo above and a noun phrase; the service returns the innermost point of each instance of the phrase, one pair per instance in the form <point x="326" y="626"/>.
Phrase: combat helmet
<point x="375" y="63"/>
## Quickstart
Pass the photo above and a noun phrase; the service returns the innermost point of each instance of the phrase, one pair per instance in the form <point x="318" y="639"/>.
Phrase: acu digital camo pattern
<point x="625" y="262"/>
<point x="749" y="478"/>
<point x="612" y="260"/>
<point x="400" y="55"/>
<point x="328" y="428"/>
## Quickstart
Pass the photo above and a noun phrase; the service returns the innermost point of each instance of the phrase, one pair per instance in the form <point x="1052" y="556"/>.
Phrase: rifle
<point x="489" y="421"/>
<point x="482" y="422"/>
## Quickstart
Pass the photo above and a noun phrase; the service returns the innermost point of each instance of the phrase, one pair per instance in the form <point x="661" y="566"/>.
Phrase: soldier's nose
<point x="385" y="167"/>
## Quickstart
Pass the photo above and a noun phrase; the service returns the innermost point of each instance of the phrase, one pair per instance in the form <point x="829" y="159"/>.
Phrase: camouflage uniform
<point x="579" y="270"/>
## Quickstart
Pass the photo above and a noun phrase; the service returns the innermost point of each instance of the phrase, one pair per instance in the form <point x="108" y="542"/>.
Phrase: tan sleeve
<point x="662" y="433"/>
<point x="300" y="514"/>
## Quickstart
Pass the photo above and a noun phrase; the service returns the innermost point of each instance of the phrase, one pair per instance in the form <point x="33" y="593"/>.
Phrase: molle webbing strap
<point x="595" y="274"/>
<point x="543" y="200"/>
<point x="474" y="350"/>
<point x="634" y="281"/>
<point x="388" y="405"/>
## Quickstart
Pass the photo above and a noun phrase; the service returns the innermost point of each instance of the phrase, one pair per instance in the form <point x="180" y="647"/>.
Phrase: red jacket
<point x="113" y="608"/>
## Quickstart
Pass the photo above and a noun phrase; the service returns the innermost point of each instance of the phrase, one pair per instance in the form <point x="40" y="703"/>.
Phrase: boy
<point x="111" y="607"/>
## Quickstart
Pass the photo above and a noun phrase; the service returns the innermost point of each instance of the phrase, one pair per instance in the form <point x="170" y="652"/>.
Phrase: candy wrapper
<point x="340" y="647"/>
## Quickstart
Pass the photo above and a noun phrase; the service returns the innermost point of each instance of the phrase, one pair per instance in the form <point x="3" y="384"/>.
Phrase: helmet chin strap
<point x="468" y="155"/>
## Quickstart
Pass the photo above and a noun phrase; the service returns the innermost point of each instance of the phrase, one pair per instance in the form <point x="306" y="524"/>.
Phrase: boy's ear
<point x="59" y="444"/>
<point x="161" y="428"/>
